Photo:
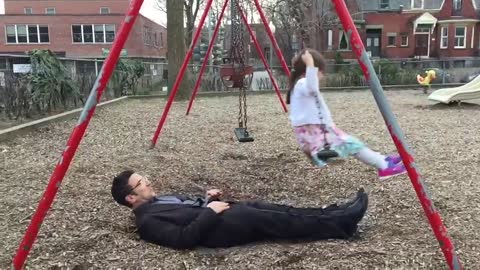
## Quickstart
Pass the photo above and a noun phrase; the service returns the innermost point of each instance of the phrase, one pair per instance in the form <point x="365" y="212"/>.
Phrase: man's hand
<point x="218" y="207"/>
<point x="214" y="193"/>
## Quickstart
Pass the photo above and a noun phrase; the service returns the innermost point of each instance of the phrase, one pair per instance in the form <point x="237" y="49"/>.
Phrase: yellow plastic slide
<point x="470" y="90"/>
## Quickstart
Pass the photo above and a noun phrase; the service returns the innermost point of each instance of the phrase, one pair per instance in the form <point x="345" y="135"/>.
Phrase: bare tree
<point x="176" y="48"/>
<point x="191" y="10"/>
<point x="308" y="20"/>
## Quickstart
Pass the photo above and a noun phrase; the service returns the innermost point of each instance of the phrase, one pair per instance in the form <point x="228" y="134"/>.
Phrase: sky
<point x="150" y="11"/>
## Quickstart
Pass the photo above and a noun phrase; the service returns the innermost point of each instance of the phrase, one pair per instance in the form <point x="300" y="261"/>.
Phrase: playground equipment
<point x="105" y="73"/>
<point x="426" y="82"/>
<point x="235" y="71"/>
<point x="470" y="90"/>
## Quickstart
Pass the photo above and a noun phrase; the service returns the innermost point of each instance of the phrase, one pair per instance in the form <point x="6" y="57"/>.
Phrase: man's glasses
<point x="138" y="184"/>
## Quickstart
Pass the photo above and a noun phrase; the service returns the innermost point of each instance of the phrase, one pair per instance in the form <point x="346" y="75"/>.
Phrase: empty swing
<point x="236" y="74"/>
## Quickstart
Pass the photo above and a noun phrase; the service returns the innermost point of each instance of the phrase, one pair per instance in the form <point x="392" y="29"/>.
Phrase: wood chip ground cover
<point x="85" y="229"/>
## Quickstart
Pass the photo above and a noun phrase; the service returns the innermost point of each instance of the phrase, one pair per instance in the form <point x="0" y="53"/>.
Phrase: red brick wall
<point x="66" y="7"/>
<point x="61" y="35"/>
<point x="395" y="23"/>
<point x="136" y="44"/>
<point x="467" y="11"/>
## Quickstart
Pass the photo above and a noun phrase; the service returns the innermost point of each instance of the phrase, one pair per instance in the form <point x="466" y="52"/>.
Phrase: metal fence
<point x="345" y="75"/>
<point x="341" y="75"/>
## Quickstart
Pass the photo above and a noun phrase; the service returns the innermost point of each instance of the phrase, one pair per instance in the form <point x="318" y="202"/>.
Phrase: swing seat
<point x="233" y="76"/>
<point x="243" y="135"/>
<point x="326" y="154"/>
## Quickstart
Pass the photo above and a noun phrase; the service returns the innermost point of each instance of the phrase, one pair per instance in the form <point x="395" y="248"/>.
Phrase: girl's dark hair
<point x="299" y="68"/>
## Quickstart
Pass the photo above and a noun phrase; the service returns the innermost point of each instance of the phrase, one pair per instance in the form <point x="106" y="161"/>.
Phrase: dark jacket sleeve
<point x="168" y="234"/>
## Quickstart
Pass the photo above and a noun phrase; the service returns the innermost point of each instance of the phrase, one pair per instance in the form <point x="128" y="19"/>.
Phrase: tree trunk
<point x="176" y="48"/>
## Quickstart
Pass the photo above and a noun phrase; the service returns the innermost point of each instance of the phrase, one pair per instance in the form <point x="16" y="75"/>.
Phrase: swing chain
<point x="237" y="55"/>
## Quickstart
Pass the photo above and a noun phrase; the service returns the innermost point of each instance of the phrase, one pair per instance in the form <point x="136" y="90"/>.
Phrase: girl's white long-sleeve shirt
<point x="303" y="108"/>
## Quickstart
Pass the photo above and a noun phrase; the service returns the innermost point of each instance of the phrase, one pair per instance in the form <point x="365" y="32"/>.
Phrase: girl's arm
<point x="311" y="80"/>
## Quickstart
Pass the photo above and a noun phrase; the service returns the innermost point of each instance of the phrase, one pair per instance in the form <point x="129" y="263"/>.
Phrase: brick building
<point x="77" y="29"/>
<point x="399" y="29"/>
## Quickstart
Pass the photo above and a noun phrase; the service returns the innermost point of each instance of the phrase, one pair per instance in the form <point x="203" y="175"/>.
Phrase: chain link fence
<point x="344" y="75"/>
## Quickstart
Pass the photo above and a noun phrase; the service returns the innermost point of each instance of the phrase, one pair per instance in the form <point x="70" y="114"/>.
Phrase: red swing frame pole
<point x="76" y="136"/>
<point x="398" y="137"/>
<point x="264" y="60"/>
<point x="205" y="60"/>
<point x="180" y="75"/>
<point x="272" y="38"/>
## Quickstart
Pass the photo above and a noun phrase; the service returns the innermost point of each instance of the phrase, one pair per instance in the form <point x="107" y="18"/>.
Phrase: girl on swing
<point x="314" y="128"/>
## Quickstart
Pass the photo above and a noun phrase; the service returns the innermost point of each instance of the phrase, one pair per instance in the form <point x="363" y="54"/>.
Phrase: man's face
<point x="141" y="190"/>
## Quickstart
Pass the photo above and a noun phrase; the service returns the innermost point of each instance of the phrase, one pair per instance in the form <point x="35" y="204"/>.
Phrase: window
<point x="99" y="33"/>
<point x="343" y="43"/>
<point x="147" y="36"/>
<point x="50" y="11"/>
<point x="457" y="5"/>
<point x="423" y="28"/>
<point x="444" y="38"/>
<point x="156" y="39"/>
<point x="110" y="32"/>
<point x="24" y="34"/>
<point x="460" y="34"/>
<point x="391" y="39"/>
<point x="93" y="33"/>
<point x="417" y="4"/>
<point x="384" y="4"/>
<point x="404" y="40"/>
<point x="28" y="10"/>
<point x="161" y="39"/>
<point x="104" y="10"/>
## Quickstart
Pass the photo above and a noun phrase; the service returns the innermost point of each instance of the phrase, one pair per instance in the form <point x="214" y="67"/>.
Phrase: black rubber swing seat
<point x="326" y="154"/>
<point x="243" y="135"/>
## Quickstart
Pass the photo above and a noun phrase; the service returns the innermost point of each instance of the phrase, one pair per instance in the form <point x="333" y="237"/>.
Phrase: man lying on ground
<point x="180" y="222"/>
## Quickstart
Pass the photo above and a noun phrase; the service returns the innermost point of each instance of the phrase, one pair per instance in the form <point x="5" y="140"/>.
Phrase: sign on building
<point x="22" y="68"/>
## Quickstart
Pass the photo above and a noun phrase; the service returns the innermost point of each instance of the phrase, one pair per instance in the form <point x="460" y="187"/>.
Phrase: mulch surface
<point x="85" y="229"/>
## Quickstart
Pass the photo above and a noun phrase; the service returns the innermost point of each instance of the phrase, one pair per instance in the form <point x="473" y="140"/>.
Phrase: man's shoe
<point x="357" y="209"/>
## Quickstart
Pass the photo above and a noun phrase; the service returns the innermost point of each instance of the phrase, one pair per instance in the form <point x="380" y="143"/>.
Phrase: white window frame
<point x="330" y="39"/>
<point x="442" y="36"/>
<point x="107" y="8"/>
<point x="93" y="33"/>
<point x="464" y="37"/>
<point x="473" y="37"/>
<point x="412" y="2"/>
<point x="28" y="8"/>
<point x="50" y="8"/>
<point x="401" y="41"/>
<point x="28" y="34"/>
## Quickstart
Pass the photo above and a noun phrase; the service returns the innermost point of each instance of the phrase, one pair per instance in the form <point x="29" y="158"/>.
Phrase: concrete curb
<point x="27" y="127"/>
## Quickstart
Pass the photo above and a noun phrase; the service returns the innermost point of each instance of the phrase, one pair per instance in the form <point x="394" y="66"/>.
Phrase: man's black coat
<point x="183" y="226"/>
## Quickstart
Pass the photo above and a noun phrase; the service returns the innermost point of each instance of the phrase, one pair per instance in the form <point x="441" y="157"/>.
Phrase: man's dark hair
<point x="121" y="188"/>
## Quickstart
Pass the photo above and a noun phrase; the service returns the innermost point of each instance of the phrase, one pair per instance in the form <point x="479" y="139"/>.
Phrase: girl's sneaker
<point x="393" y="159"/>
<point x="392" y="171"/>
